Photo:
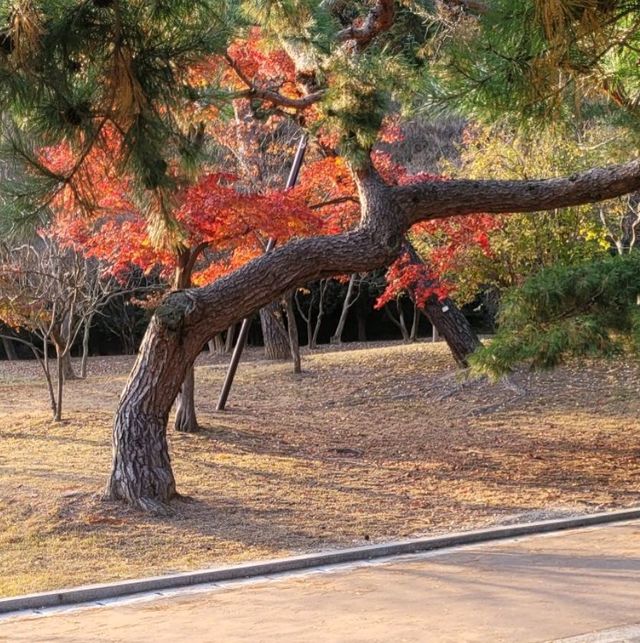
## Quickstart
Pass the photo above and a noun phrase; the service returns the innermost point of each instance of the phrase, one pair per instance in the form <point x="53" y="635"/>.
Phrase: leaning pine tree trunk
<point x="141" y="471"/>
<point x="448" y="321"/>
<point x="276" y="338"/>
<point x="451" y="324"/>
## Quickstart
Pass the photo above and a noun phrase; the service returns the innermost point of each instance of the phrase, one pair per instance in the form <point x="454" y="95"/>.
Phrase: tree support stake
<point x="246" y="322"/>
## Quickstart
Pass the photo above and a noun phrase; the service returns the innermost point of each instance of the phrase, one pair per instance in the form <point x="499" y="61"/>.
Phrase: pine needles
<point x="562" y="312"/>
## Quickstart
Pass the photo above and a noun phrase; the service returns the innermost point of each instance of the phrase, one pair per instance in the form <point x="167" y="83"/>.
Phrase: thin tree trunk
<point x="292" y="328"/>
<point x="57" y="416"/>
<point x="306" y="318"/>
<point x="322" y="289"/>
<point x="47" y="374"/>
<point x="336" y="338"/>
<point x="274" y="333"/>
<point x="403" y="324"/>
<point x="9" y="349"/>
<point x="64" y="339"/>
<point x="228" y="342"/>
<point x="399" y="323"/>
<point x="216" y="345"/>
<point x="186" y="419"/>
<point x="45" y="355"/>
<point x="86" y="334"/>
<point x="362" y="327"/>
<point x="415" y="323"/>
<point x="67" y="368"/>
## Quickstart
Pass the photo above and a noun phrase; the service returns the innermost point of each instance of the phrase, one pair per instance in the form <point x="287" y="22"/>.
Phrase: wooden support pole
<point x="246" y="323"/>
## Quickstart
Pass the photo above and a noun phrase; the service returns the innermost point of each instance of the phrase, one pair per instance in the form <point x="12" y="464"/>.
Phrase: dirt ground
<point x="368" y="444"/>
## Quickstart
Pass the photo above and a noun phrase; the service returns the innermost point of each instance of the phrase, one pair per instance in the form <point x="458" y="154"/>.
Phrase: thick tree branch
<point x="379" y="19"/>
<point x="442" y="199"/>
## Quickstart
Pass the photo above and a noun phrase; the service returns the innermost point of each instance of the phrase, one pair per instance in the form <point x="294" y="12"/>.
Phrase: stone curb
<point x="91" y="593"/>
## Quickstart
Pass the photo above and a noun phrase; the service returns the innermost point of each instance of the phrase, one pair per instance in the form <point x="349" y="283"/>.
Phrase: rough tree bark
<point x="141" y="471"/>
<point x="274" y="332"/>
<point x="448" y="321"/>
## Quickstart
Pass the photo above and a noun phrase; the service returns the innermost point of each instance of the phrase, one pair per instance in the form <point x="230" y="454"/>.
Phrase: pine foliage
<point x="562" y="312"/>
<point x="535" y="57"/>
<point x="70" y="69"/>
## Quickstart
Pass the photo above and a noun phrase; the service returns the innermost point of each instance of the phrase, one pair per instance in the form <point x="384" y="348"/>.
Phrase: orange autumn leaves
<point x="219" y="209"/>
<point x="215" y="210"/>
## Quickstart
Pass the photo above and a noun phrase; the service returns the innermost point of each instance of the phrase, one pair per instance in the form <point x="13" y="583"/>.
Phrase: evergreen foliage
<point x="562" y="312"/>
<point x="536" y="57"/>
<point x="69" y="70"/>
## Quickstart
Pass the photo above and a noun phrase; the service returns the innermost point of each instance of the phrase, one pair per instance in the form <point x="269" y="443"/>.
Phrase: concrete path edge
<point x="91" y="593"/>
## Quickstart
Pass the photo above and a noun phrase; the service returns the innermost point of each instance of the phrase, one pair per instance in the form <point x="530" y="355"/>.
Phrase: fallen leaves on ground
<point x="371" y="442"/>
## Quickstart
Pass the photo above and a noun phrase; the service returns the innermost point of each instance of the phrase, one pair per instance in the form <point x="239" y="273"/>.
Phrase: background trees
<point x="53" y="292"/>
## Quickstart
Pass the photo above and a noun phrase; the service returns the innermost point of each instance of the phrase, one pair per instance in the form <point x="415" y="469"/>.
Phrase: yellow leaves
<point x="594" y="233"/>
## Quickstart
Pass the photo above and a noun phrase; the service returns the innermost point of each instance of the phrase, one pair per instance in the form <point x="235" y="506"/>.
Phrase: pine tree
<point x="70" y="68"/>
<point x="567" y="311"/>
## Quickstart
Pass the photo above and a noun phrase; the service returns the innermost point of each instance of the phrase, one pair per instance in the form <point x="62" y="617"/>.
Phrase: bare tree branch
<point x="270" y="95"/>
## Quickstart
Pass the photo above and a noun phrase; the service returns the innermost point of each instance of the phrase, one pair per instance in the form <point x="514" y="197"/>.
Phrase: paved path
<point x="581" y="585"/>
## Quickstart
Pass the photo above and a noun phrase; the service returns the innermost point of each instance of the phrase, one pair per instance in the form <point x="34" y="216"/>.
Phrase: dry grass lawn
<point x="368" y="444"/>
